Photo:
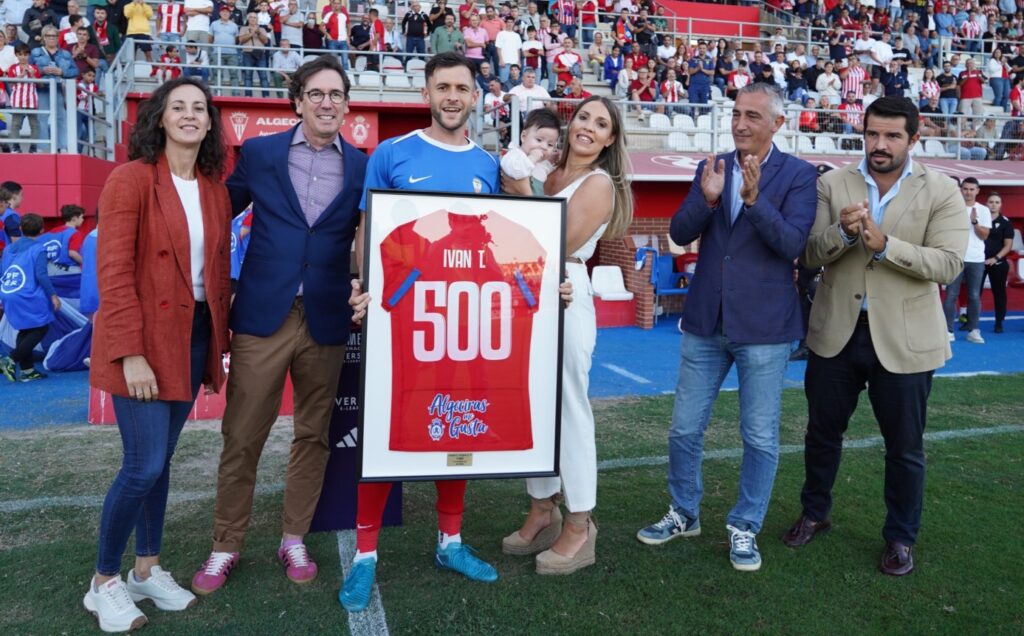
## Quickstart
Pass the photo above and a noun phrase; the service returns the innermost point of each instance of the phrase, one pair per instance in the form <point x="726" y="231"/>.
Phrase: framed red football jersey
<point x="462" y="337"/>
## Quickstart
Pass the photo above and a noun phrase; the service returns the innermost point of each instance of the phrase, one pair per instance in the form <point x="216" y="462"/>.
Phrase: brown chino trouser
<point x="255" y="386"/>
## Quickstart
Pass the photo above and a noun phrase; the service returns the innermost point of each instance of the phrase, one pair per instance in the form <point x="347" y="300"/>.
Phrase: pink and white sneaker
<point x="214" y="573"/>
<point x="299" y="567"/>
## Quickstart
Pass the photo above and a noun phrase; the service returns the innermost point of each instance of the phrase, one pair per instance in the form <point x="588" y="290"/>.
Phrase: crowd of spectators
<point x="831" y="55"/>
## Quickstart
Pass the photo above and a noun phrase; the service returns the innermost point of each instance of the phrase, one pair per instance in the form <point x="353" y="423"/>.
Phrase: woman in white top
<point x="828" y="83"/>
<point x="998" y="72"/>
<point x="929" y="87"/>
<point x="591" y="174"/>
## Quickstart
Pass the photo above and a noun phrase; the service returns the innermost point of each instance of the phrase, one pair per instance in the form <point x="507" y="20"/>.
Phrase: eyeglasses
<point x="317" y="96"/>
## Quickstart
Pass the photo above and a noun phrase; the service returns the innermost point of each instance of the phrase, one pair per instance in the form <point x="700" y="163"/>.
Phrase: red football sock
<point x="450" y="504"/>
<point x="372" y="497"/>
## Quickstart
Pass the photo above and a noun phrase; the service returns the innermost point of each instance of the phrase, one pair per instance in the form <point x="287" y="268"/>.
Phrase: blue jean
<point x="973" y="273"/>
<point x="149" y="433"/>
<point x="705" y="363"/>
<point x="700" y="94"/>
<point x="249" y="61"/>
<point x="201" y="73"/>
<point x="61" y="116"/>
<point x="947" y="105"/>
<point x="1001" y="92"/>
<point x="415" y="45"/>
<point x="342" y="47"/>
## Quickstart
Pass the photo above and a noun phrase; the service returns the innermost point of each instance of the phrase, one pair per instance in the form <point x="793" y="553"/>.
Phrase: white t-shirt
<point x="975" y="245"/>
<point x="509" y="43"/>
<point x="198" y="22"/>
<point x="537" y="92"/>
<point x="188" y="192"/>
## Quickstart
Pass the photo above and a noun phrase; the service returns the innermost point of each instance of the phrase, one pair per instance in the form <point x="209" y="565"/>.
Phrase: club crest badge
<point x="239" y="121"/>
<point x="435" y="430"/>
<point x="478" y="185"/>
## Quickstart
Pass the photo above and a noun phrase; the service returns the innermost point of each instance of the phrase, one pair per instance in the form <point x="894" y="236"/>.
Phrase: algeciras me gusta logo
<point x="13" y="280"/>
<point x="456" y="418"/>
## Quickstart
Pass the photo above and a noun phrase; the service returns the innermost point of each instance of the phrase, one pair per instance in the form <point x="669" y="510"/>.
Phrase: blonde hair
<point x="614" y="160"/>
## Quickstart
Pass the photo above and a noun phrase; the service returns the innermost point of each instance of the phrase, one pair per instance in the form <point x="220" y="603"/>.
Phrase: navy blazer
<point x="284" y="250"/>
<point x="745" y="270"/>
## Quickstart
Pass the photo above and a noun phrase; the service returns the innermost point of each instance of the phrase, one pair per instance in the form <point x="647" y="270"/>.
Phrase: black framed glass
<point x="317" y="96"/>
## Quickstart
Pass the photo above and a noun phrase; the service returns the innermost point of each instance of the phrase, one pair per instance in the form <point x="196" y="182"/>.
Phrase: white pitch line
<point x="788" y="449"/>
<point x="626" y="374"/>
<point x="96" y="501"/>
<point x="372" y="620"/>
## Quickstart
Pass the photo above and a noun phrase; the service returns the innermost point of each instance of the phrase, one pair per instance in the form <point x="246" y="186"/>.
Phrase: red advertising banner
<point x="244" y="121"/>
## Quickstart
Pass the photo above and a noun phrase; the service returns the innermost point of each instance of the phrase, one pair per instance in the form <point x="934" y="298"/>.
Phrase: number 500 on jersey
<point x="463" y="336"/>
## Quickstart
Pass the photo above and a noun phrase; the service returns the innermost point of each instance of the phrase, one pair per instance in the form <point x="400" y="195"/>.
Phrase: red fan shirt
<point x="461" y="291"/>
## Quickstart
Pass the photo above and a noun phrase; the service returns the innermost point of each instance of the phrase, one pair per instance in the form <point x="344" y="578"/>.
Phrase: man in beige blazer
<point x="887" y="231"/>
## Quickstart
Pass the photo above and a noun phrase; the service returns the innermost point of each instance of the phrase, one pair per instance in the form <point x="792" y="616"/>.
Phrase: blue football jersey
<point x="417" y="162"/>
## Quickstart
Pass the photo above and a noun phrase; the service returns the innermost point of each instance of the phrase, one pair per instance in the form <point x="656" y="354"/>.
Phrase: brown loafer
<point x="804" y="530"/>
<point x="897" y="559"/>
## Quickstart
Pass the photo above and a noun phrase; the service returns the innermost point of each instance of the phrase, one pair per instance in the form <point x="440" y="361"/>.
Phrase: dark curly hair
<point x="302" y="74"/>
<point x="147" y="140"/>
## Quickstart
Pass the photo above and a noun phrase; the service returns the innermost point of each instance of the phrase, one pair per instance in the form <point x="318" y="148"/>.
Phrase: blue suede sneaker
<point x="743" y="549"/>
<point x="460" y="558"/>
<point x="673" y="524"/>
<point x="358" y="588"/>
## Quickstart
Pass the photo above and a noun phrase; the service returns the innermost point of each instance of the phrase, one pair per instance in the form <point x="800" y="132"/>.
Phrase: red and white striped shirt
<point x="971" y="29"/>
<point x="84" y="96"/>
<point x="336" y="25"/>
<point x="853" y="80"/>
<point x="852" y="114"/>
<point x="23" y="94"/>
<point x="672" y="91"/>
<point x="170" y="17"/>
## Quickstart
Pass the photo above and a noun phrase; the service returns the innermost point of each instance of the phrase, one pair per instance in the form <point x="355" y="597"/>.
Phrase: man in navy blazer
<point x="752" y="211"/>
<point x="290" y="314"/>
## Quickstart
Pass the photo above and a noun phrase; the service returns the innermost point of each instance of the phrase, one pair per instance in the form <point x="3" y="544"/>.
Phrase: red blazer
<point x="145" y="279"/>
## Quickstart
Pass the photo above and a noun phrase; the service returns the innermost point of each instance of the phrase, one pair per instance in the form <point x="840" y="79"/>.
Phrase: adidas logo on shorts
<point x="349" y="441"/>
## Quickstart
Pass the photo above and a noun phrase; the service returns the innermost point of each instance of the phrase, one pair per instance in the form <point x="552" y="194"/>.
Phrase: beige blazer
<point x="927" y="231"/>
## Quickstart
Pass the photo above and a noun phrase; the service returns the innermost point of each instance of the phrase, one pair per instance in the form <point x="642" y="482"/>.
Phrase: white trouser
<point x="578" y="452"/>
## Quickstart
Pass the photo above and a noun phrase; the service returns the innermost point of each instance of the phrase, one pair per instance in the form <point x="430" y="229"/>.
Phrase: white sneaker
<point x="162" y="589"/>
<point x="113" y="607"/>
<point x="952" y="336"/>
<point x="974" y="335"/>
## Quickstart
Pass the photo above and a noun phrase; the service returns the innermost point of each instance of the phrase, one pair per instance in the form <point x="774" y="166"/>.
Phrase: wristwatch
<point x="975" y="222"/>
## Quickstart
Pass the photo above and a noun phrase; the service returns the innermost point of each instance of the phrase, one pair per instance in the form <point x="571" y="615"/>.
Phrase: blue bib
<point x="25" y="303"/>
<point x="4" y="239"/>
<point x="238" y="244"/>
<point x="57" y="243"/>
<point x="89" y="292"/>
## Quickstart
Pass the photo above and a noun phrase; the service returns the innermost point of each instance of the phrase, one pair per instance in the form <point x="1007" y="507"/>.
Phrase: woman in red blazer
<point x="163" y="264"/>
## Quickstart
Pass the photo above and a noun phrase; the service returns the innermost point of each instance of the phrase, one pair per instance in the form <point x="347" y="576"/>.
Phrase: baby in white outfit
<point x="537" y="152"/>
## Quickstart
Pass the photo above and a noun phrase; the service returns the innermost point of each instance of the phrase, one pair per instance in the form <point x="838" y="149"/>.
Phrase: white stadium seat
<point x="391" y="64"/>
<point x="418" y="81"/>
<point x="702" y="142"/>
<point x="660" y="121"/>
<point x="678" y="141"/>
<point x="704" y="122"/>
<point x="416" y="64"/>
<point x="369" y="79"/>
<point x="683" y="121"/>
<point x="608" y="284"/>
<point x="392" y="80"/>
<point x="804" y="144"/>
<point x="825" y="144"/>
<point x="783" y="143"/>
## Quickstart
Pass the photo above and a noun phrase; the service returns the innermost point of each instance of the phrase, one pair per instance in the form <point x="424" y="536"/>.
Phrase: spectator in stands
<point x="597" y="53"/>
<point x="7" y="56"/>
<point x="796" y="84"/>
<point x="291" y="19"/>
<point x="987" y="135"/>
<point x="626" y="78"/>
<point x="828" y="83"/>
<point x="437" y="16"/>
<point x="447" y="39"/>
<point x="197" y="62"/>
<point x="416" y="29"/>
<point x="671" y="93"/>
<point x="170" y="21"/>
<point x="312" y="36"/>
<point x="85" y="102"/>
<point x="929" y="88"/>
<point x="701" y="69"/>
<point x="998" y="245"/>
<point x="170" y="65"/>
<point x="336" y="30"/>
<point x="86" y="54"/>
<point x="484" y="76"/>
<point x="28" y="297"/>
<point x="138" y="14"/>
<point x="837" y="43"/>
<point x="643" y="90"/>
<point x="948" y="89"/>
<point x="254" y="41"/>
<point x="475" y="38"/>
<point x="851" y="112"/>
<point x="105" y="34"/>
<point x="508" y="45"/>
<point x="52" y="61"/>
<point x="531" y="18"/>
<point x="623" y="31"/>
<point x="551" y="37"/>
<point x="980" y="219"/>
<point x="12" y="12"/>
<point x="966" y="148"/>
<point x="529" y="89"/>
<point x="68" y="37"/>
<point x="808" y="121"/>
<point x="70" y="239"/>
<point x="225" y="36"/>
<point x="496" y="110"/>
<point x="737" y="80"/>
<point x="492" y="24"/>
<point x="848" y="349"/>
<point x="933" y="122"/>
<point x="197" y="20"/>
<point x="762" y="221"/>
<point x="970" y="83"/>
<point x="893" y="82"/>
<point x="288" y="319"/>
<point x="361" y="39"/>
<point x="779" y="69"/>
<point x="35" y="19"/>
<point x="998" y="72"/>
<point x="724" y="66"/>
<point x="854" y="76"/>
<point x="568" y="64"/>
<point x="284" y="63"/>
<point x="11" y="195"/>
<point x="613" y="66"/>
<point x="176" y="155"/>
<point x="23" y="96"/>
